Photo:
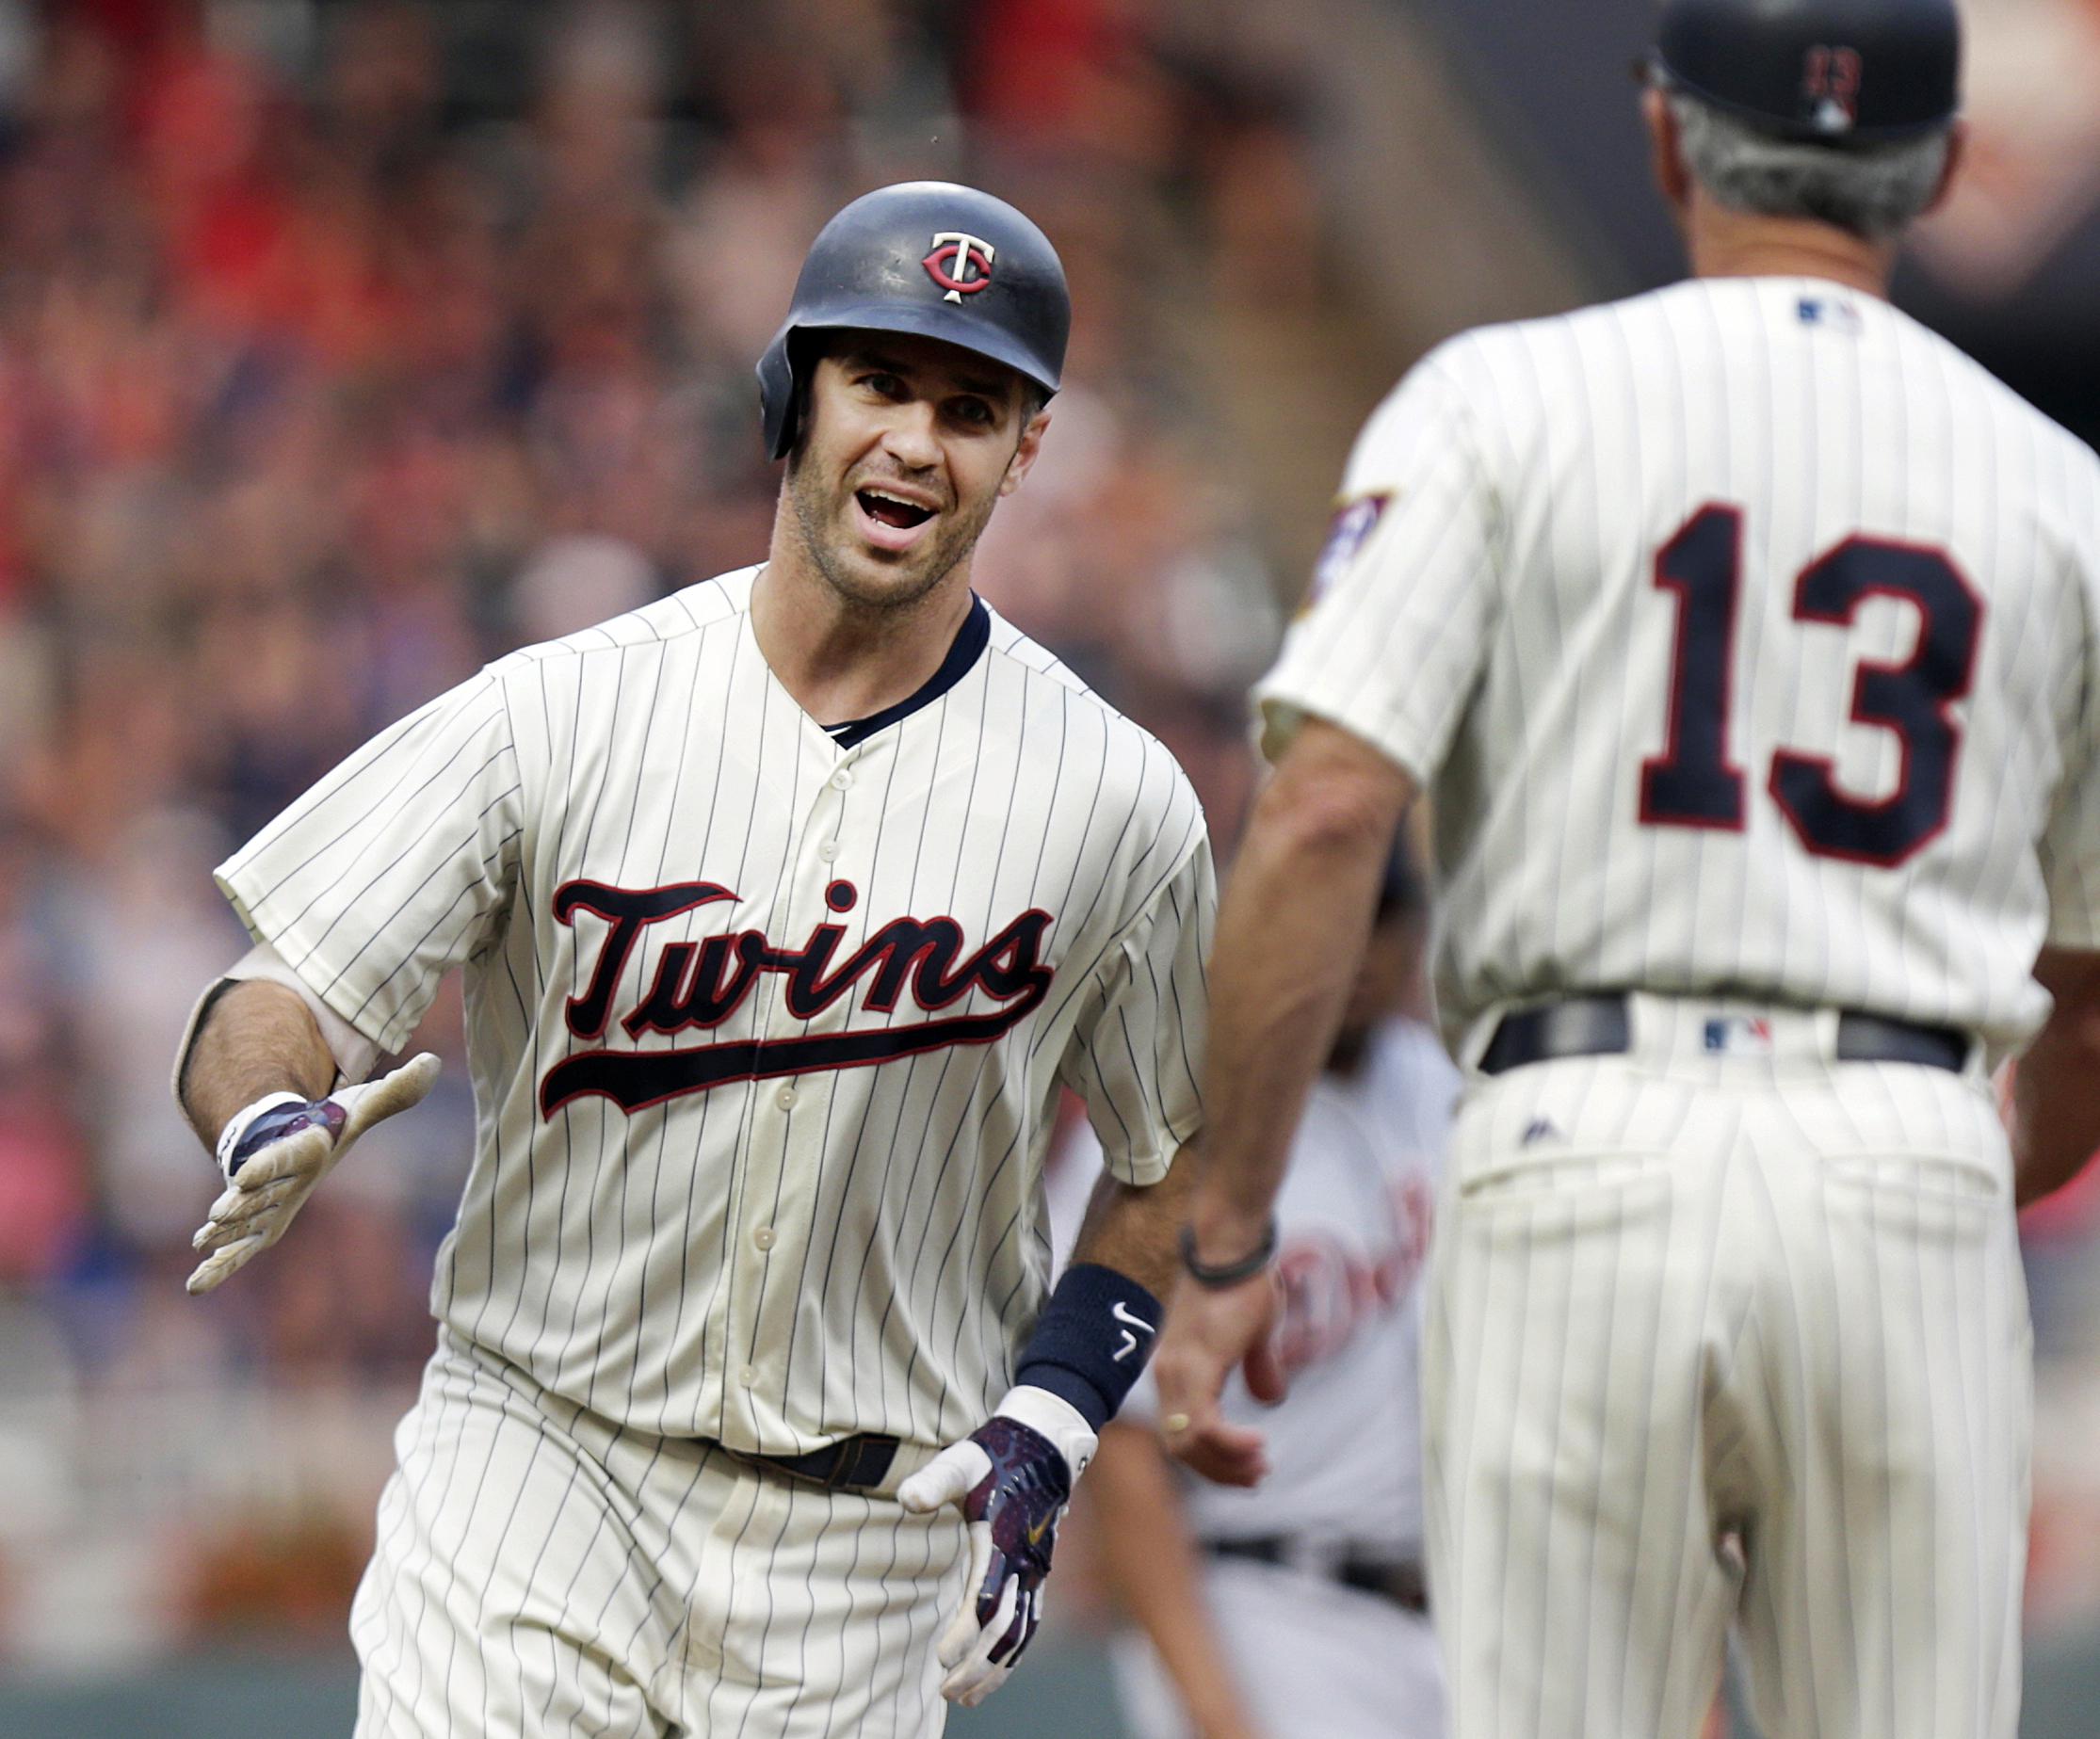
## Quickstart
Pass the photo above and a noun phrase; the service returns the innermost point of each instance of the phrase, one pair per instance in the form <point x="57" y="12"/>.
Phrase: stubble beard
<point x="820" y="517"/>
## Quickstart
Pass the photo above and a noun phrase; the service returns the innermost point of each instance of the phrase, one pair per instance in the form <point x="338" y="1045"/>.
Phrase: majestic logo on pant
<point x="699" y="984"/>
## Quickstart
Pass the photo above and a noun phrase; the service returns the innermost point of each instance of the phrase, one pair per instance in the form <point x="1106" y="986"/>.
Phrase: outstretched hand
<point x="276" y="1151"/>
<point x="1210" y="1331"/>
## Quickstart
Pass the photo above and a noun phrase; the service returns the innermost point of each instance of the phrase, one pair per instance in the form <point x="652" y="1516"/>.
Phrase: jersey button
<point x="763" y="1237"/>
<point x="785" y="1097"/>
<point x="747" y="1376"/>
<point x="828" y="850"/>
<point x="841" y="779"/>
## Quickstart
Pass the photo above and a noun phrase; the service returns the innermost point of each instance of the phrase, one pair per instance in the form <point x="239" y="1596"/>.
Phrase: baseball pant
<point x="542" y="1572"/>
<point x="1728" y="1336"/>
<point x="1315" y="1660"/>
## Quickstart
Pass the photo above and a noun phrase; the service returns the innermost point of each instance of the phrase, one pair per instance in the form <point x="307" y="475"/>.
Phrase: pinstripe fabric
<point x="767" y="1032"/>
<point x="1724" y="1340"/>
<point x="826" y="1249"/>
<point x="542" y="1570"/>
<point x="1733" y="1332"/>
<point x="1500" y="632"/>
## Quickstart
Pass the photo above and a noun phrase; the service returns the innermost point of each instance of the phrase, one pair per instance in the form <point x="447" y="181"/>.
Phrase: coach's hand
<point x="1209" y="1331"/>
<point x="275" y="1151"/>
<point x="1012" y="1477"/>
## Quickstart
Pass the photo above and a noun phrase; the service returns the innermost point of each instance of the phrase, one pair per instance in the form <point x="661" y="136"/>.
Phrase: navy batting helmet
<point x="1829" y="72"/>
<point x="926" y="257"/>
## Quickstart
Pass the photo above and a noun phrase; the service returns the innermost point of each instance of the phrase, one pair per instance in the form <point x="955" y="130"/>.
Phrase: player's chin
<point x="882" y="578"/>
<point x="879" y="587"/>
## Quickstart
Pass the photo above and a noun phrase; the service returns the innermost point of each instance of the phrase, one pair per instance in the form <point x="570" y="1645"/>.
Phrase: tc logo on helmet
<point x="960" y="263"/>
<point x="1829" y="87"/>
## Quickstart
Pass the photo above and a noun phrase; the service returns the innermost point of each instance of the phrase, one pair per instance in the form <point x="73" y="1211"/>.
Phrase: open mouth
<point x="892" y="510"/>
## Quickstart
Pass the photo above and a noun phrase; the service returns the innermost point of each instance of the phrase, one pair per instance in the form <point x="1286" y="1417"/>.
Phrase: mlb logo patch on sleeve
<point x="1354" y="522"/>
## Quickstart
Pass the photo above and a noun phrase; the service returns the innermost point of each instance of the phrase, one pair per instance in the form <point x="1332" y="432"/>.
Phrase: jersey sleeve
<point x="2070" y="845"/>
<point x="395" y="866"/>
<point x="1396" y="622"/>
<point x="2071" y="856"/>
<point x="1138" y="1060"/>
<point x="2070" y="848"/>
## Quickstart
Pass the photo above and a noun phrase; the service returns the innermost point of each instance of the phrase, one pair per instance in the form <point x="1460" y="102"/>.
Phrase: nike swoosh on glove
<point x="276" y="1150"/>
<point x="1012" y="1477"/>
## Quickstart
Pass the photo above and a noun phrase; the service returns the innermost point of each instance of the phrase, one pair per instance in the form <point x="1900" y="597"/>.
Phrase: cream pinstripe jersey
<point x="1745" y="636"/>
<point x="766" y="1026"/>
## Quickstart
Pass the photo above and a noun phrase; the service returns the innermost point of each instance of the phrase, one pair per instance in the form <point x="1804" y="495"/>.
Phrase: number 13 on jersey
<point x="1696" y="783"/>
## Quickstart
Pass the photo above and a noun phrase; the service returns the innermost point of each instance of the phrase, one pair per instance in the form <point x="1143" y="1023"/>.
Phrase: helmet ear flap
<point x="780" y="396"/>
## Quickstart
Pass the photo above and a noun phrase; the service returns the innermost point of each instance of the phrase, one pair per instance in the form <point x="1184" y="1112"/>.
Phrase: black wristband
<point x="1221" y="1275"/>
<point x="1091" y="1339"/>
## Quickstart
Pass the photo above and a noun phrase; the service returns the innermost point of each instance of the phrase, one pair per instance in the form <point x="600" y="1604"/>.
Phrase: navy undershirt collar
<point x="967" y="648"/>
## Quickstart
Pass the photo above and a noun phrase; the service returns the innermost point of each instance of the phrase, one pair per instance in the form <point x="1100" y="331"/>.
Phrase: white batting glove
<point x="273" y="1152"/>
<point x="1012" y="1477"/>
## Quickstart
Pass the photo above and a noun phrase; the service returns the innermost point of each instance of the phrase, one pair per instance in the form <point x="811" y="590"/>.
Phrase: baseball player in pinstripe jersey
<point x="787" y="906"/>
<point x="1747" y="639"/>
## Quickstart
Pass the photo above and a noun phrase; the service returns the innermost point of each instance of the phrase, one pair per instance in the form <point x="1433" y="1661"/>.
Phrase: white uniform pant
<point x="1728" y="1339"/>
<point x="539" y="1570"/>
<point x="1315" y="1660"/>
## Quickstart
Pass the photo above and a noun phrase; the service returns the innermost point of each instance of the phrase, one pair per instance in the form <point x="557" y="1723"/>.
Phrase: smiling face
<point x="907" y="445"/>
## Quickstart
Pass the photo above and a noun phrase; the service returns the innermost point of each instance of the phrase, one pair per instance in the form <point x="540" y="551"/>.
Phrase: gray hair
<point x="1873" y="190"/>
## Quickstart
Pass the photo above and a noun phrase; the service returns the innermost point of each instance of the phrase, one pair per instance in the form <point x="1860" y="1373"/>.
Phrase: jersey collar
<point x="963" y="651"/>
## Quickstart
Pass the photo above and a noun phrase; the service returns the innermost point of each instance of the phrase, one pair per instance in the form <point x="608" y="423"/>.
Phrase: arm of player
<point x="254" y="1081"/>
<point x="1152" y="1566"/>
<point x="1012" y="1477"/>
<point x="2055" y="1125"/>
<point x="1291" y="928"/>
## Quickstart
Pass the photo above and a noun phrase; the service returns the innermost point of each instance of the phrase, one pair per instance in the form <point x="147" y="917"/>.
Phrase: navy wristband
<point x="1092" y="1341"/>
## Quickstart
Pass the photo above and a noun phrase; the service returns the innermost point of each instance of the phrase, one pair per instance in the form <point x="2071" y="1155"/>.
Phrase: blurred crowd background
<point x="345" y="343"/>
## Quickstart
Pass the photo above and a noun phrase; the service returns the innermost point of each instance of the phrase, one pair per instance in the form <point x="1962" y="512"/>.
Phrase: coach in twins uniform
<point x="1748" y="637"/>
<point x="788" y="905"/>
<point x="1297" y="1609"/>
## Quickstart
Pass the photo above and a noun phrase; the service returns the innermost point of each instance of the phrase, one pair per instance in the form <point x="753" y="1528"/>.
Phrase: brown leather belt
<point x="1602" y="1027"/>
<point x="1399" y="1580"/>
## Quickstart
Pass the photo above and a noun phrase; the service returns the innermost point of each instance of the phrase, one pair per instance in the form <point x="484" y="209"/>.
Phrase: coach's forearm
<point x="1135" y="1230"/>
<point x="2057" y="1090"/>
<point x="1292" y="933"/>
<point x="257" y="1038"/>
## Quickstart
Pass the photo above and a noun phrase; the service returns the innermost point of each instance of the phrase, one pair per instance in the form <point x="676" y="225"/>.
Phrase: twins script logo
<point x="960" y="263"/>
<point x="698" y="985"/>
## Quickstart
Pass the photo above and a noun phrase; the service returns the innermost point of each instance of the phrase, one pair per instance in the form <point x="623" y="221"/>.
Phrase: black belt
<point x="853" y="1463"/>
<point x="1602" y="1027"/>
<point x="1399" y="1581"/>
